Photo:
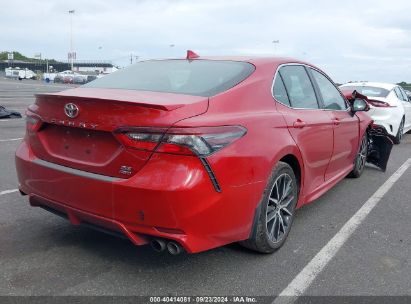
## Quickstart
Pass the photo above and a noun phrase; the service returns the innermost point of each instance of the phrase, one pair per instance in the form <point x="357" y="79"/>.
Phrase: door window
<point x="398" y="93"/>
<point x="299" y="87"/>
<point x="279" y="92"/>
<point x="331" y="96"/>
<point x="404" y="95"/>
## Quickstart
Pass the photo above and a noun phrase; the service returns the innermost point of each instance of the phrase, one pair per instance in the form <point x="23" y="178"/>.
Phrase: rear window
<point x="367" y="90"/>
<point x="190" y="77"/>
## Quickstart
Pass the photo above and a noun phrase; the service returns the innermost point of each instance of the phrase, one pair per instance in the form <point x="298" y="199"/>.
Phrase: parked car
<point x="91" y="78"/>
<point x="58" y="78"/>
<point x="18" y="73"/>
<point x="80" y="79"/>
<point x="198" y="153"/>
<point x="68" y="79"/>
<point x="390" y="106"/>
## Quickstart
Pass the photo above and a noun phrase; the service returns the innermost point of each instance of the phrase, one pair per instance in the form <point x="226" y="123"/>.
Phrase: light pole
<point x="71" y="13"/>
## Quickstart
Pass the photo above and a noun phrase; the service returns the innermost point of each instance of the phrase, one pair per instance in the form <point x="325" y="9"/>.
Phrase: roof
<point x="252" y="59"/>
<point x="387" y="86"/>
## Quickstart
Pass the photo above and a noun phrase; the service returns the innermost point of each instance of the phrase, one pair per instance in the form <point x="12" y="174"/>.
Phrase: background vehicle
<point x="80" y="79"/>
<point x="58" y="78"/>
<point x="18" y="73"/>
<point x="390" y="106"/>
<point x="68" y="79"/>
<point x="195" y="154"/>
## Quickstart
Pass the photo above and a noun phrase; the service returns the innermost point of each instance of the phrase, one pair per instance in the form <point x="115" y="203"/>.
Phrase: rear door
<point x="345" y="126"/>
<point x="407" y="108"/>
<point x="310" y="127"/>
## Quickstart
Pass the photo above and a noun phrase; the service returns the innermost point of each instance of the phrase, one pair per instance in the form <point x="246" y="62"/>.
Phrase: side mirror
<point x="359" y="105"/>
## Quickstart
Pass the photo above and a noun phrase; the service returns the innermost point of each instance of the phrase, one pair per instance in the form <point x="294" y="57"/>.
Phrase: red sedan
<point x="191" y="154"/>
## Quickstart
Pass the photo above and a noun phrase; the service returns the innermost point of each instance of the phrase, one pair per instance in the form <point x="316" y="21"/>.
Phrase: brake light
<point x="33" y="123"/>
<point x="201" y="141"/>
<point x="380" y="104"/>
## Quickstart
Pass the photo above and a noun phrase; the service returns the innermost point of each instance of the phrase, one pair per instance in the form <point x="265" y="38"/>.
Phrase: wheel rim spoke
<point x="279" y="212"/>
<point x="362" y="154"/>
<point x="271" y="233"/>
<point x="271" y="216"/>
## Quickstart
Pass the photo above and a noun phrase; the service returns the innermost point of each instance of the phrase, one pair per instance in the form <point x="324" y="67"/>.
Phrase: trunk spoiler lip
<point x="155" y="100"/>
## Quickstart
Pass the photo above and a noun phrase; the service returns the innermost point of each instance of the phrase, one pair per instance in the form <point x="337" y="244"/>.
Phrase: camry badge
<point x="71" y="110"/>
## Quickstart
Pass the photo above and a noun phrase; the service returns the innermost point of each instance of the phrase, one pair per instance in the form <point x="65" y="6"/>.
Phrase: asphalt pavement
<point x="41" y="254"/>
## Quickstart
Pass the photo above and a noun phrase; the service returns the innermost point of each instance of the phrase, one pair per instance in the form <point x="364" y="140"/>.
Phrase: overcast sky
<point x="350" y="40"/>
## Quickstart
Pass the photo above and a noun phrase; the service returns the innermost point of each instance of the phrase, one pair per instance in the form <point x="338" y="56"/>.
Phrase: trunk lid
<point x="87" y="142"/>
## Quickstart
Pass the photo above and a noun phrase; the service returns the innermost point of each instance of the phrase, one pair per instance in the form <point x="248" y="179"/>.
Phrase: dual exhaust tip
<point x="172" y="247"/>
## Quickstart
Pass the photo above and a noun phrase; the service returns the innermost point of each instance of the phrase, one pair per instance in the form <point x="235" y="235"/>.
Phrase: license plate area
<point x="78" y="144"/>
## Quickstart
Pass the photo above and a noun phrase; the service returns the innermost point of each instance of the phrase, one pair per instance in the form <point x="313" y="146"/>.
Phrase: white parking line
<point x="12" y="139"/>
<point x="14" y="119"/>
<point x="304" y="279"/>
<point x="8" y="191"/>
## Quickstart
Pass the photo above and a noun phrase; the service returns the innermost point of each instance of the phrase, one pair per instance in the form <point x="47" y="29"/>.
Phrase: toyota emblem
<point x="71" y="110"/>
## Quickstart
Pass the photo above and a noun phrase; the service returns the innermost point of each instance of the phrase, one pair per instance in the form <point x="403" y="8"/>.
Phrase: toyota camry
<point x="195" y="153"/>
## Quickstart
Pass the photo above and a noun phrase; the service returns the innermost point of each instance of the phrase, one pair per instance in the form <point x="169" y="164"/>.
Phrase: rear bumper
<point x="171" y="197"/>
<point x="389" y="118"/>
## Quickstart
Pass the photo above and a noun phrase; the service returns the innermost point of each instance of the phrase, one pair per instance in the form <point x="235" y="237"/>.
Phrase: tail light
<point x="33" y="123"/>
<point x="201" y="141"/>
<point x="380" y="104"/>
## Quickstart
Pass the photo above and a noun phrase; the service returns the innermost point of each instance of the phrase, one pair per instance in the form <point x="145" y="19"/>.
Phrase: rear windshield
<point x="367" y="90"/>
<point x="190" y="77"/>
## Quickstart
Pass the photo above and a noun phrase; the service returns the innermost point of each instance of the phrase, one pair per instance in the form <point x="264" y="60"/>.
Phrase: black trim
<point x="85" y="224"/>
<point x="104" y="230"/>
<point x="317" y="92"/>
<point x="54" y="211"/>
<point x="211" y="174"/>
<point x="253" y="231"/>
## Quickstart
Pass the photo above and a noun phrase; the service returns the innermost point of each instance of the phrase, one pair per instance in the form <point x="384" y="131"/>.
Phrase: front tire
<point x="276" y="211"/>
<point x="361" y="158"/>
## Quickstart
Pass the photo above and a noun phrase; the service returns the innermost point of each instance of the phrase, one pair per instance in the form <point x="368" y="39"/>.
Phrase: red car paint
<point x="62" y="162"/>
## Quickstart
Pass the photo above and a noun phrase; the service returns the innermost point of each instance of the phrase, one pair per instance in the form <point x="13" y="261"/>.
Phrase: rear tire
<point x="277" y="210"/>
<point x="361" y="158"/>
<point x="400" y="133"/>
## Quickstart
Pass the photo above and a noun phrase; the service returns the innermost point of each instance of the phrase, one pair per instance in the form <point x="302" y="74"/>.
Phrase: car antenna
<point x="191" y="55"/>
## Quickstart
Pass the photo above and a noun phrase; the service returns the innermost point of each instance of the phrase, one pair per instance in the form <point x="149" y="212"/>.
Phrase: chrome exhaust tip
<point x="174" y="248"/>
<point x="158" y="245"/>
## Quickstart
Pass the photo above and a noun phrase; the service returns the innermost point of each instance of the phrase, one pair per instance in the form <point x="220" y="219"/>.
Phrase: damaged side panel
<point x="380" y="146"/>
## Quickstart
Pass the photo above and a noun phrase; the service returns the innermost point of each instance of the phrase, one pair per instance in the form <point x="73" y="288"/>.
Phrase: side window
<point x="279" y="92"/>
<point x="404" y="95"/>
<point x="398" y="93"/>
<point x="331" y="96"/>
<point x="299" y="88"/>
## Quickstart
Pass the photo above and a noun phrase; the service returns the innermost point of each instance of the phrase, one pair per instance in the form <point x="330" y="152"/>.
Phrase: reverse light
<point x="201" y="141"/>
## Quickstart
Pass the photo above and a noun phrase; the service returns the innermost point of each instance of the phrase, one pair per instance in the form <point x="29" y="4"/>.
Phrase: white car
<point x="389" y="105"/>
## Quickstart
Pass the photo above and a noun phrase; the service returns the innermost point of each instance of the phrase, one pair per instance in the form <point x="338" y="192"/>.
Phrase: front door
<point x="345" y="126"/>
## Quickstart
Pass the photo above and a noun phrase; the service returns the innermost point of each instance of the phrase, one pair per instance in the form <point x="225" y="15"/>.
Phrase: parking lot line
<point x="11" y="139"/>
<point x="307" y="275"/>
<point x="8" y="191"/>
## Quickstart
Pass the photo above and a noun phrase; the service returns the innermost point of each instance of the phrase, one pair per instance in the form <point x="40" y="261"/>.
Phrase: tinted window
<point x="191" y="77"/>
<point x="367" y="90"/>
<point x="279" y="92"/>
<point x="402" y="93"/>
<point x="331" y="96"/>
<point x="299" y="88"/>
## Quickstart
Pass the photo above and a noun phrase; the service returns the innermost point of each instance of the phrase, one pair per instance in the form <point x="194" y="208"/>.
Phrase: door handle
<point x="336" y="121"/>
<point x="299" y="124"/>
